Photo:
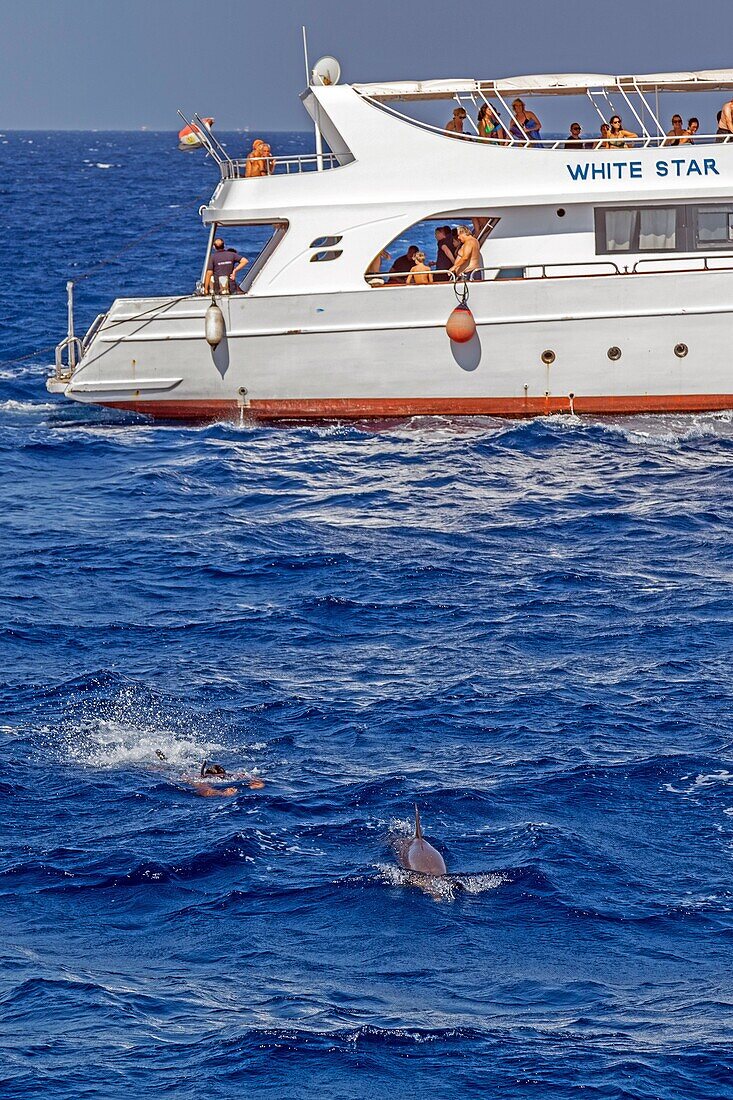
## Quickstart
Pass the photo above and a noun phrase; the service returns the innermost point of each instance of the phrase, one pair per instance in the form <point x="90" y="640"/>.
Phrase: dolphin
<point x="415" y="854"/>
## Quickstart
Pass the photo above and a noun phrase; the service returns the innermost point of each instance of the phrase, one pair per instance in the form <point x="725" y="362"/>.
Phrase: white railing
<point x="661" y="265"/>
<point x="236" y="169"/>
<point x="645" y="141"/>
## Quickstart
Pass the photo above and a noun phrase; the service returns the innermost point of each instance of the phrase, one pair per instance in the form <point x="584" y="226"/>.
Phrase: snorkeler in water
<point x="212" y="770"/>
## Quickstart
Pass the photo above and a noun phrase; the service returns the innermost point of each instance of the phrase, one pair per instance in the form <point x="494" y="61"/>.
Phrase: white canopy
<point x="550" y="84"/>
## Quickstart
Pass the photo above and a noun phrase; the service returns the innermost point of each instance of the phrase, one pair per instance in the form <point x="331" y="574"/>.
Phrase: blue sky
<point x="123" y="64"/>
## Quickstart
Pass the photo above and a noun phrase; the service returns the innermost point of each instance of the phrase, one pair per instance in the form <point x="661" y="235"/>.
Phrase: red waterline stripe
<point x="355" y="408"/>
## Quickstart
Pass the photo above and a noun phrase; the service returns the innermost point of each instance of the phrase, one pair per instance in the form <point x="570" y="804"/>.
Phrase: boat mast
<point x="308" y="79"/>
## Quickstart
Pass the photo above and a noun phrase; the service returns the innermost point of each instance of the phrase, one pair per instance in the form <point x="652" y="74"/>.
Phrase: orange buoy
<point x="255" y="784"/>
<point x="461" y="326"/>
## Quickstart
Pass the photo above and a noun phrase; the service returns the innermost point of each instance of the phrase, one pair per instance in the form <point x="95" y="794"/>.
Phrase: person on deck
<point x="573" y="141"/>
<point x="618" y="138"/>
<point x="526" y="121"/>
<point x="455" y="126"/>
<point x="677" y="135"/>
<point x="420" y="273"/>
<point x="468" y="260"/>
<point x="402" y="267"/>
<point x="693" y="126"/>
<point x="445" y="256"/>
<point x="489" y="124"/>
<point x="725" y="122"/>
<point x="224" y="263"/>
<point x="259" y="161"/>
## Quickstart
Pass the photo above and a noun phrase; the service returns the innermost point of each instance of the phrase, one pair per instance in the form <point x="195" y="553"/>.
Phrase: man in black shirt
<point x="224" y="263"/>
<point x="573" y="139"/>
<point x="402" y="267"/>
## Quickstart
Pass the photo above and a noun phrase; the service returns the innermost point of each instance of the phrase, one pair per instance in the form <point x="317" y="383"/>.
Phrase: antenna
<point x="326" y="71"/>
<point x="305" y="57"/>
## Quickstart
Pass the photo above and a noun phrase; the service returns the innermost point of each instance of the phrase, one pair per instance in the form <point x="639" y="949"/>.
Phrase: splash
<point x="131" y="730"/>
<point x="443" y="887"/>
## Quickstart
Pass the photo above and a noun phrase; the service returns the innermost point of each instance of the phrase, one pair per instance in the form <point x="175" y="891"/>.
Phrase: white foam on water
<point x="130" y="730"/>
<point x="25" y="406"/>
<point x="109" y="743"/>
<point x="442" y="887"/>
<point x="100" y="165"/>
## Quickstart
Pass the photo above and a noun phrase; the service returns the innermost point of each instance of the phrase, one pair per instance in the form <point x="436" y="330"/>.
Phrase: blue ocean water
<point x="524" y="627"/>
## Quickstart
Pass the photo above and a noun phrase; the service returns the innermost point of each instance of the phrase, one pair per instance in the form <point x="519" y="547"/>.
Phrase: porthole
<point x="614" y="354"/>
<point x="681" y="350"/>
<point x="322" y="257"/>
<point x="325" y="242"/>
<point x="548" y="357"/>
<point x="561" y="212"/>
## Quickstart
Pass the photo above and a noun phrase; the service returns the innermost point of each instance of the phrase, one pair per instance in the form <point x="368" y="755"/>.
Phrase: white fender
<point x="214" y="326"/>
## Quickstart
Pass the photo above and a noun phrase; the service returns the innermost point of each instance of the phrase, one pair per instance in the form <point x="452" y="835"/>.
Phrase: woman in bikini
<point x="618" y="138"/>
<point x="488" y="124"/>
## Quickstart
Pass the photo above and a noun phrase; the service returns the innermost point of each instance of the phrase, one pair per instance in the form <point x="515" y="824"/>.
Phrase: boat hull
<point x="654" y="343"/>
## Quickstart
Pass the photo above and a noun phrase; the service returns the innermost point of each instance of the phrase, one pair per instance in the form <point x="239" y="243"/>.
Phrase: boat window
<point x="323" y="257"/>
<point x="255" y="241"/>
<point x="325" y="242"/>
<point x="714" y="227"/>
<point x="640" y="229"/>
<point x="391" y="267"/>
<point x="657" y="229"/>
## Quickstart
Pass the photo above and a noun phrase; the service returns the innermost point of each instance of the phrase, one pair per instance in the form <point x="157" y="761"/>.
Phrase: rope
<point x="106" y="263"/>
<point x="24" y="358"/>
<point x="136" y="241"/>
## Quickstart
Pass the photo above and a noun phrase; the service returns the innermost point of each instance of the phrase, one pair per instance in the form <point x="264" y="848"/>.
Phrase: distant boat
<point x="190" y="136"/>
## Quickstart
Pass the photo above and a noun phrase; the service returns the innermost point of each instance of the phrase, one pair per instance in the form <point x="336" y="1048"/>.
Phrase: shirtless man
<point x="725" y="122"/>
<point x="259" y="162"/>
<point x="468" y="260"/>
<point x="420" y="274"/>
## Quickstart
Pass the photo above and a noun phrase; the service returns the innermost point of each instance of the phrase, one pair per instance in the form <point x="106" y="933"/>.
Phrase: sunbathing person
<point x="259" y="161"/>
<point x="455" y="126"/>
<point x="677" y="135"/>
<point x="618" y="138"/>
<point x="692" y="127"/>
<point x="420" y="273"/>
<point x="488" y="123"/>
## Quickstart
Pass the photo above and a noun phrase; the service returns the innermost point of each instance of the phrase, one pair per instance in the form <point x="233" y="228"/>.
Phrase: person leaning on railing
<point x="526" y="121"/>
<point x="677" y="135"/>
<point x="488" y="124"/>
<point x="468" y="260"/>
<point x="259" y="160"/>
<point x="725" y="122"/>
<point x="618" y="138"/>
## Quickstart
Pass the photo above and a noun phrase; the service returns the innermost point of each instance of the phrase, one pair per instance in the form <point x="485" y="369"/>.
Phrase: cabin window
<point x="657" y="229"/>
<point x="254" y="240"/>
<point x="391" y="267"/>
<point x="325" y="242"/>
<point x="714" y="227"/>
<point x="640" y="229"/>
<point x="324" y="257"/>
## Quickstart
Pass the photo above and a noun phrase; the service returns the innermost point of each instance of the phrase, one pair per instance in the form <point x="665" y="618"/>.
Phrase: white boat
<point x="607" y="272"/>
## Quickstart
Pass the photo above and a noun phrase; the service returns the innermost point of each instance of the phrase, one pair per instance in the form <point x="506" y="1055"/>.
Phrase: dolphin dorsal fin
<point x="418" y="827"/>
